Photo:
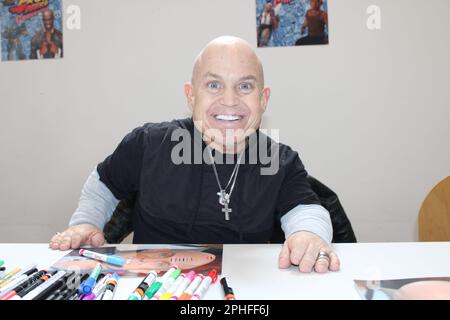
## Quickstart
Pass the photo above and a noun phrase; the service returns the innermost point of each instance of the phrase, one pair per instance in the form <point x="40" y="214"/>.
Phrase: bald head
<point x="224" y="49"/>
<point x="227" y="95"/>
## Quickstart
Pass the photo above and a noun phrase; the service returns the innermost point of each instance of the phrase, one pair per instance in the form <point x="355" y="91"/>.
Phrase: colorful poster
<point x="31" y="29"/>
<point x="141" y="259"/>
<point x="291" y="22"/>
<point x="404" y="289"/>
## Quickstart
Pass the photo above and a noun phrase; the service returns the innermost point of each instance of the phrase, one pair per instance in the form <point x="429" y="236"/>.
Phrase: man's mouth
<point x="225" y="117"/>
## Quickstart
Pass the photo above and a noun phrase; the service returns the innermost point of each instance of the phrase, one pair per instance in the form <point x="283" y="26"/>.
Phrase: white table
<point x="254" y="274"/>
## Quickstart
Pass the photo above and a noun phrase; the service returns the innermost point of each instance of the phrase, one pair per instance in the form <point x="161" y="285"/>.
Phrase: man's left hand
<point x="302" y="248"/>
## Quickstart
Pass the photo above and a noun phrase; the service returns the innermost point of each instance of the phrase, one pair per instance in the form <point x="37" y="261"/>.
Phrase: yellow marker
<point x="8" y="277"/>
<point x="168" y="294"/>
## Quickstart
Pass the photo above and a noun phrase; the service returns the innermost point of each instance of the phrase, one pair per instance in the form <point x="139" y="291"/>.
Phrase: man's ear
<point x="265" y="95"/>
<point x="189" y="93"/>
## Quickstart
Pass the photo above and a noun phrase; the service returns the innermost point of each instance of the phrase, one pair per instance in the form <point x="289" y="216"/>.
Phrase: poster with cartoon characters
<point x="291" y="22"/>
<point x="31" y="29"/>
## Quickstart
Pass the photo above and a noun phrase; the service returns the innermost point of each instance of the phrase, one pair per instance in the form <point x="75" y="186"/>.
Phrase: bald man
<point x="231" y="193"/>
<point x="47" y="43"/>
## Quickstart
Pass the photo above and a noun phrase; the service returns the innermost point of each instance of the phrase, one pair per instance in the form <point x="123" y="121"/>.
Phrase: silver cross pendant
<point x="226" y="211"/>
<point x="224" y="199"/>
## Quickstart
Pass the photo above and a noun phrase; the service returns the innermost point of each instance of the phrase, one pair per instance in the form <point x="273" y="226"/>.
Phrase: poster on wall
<point x="291" y="22"/>
<point x="31" y="29"/>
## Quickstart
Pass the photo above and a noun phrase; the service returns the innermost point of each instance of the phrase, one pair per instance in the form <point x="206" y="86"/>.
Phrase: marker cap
<point x="87" y="285"/>
<point x="116" y="260"/>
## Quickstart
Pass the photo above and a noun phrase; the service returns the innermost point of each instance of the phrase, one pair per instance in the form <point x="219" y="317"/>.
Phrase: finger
<point x="322" y="264"/>
<point x="297" y="253"/>
<point x="309" y="259"/>
<point x="77" y="240"/>
<point x="97" y="239"/>
<point x="283" y="260"/>
<point x="66" y="241"/>
<point x="335" y="263"/>
<point x="54" y="241"/>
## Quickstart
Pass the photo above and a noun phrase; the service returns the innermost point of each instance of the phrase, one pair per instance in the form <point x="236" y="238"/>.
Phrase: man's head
<point x="227" y="94"/>
<point x="315" y="4"/>
<point x="48" y="18"/>
<point x="268" y="6"/>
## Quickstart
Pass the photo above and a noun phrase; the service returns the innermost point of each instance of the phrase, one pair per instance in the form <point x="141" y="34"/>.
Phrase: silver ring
<point x="323" y="255"/>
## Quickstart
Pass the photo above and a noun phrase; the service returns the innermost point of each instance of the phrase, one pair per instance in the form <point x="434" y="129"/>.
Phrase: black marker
<point x="229" y="294"/>
<point x="69" y="292"/>
<point x="54" y="287"/>
<point x="35" y="284"/>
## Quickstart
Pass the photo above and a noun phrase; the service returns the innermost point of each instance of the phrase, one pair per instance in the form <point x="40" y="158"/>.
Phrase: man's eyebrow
<point x="249" y="77"/>
<point x="211" y="75"/>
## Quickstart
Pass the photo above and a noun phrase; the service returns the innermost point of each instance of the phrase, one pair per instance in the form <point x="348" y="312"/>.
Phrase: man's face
<point x="315" y="4"/>
<point x="47" y="18"/>
<point x="227" y="96"/>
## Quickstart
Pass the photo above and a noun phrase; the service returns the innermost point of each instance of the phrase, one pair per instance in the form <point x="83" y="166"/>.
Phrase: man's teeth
<point x="227" y="117"/>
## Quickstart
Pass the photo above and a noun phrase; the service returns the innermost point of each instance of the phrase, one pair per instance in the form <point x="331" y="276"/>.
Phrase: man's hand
<point x="302" y="248"/>
<point x="76" y="236"/>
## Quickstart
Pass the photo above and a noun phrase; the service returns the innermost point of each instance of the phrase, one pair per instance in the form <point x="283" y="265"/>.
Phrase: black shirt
<point x="178" y="203"/>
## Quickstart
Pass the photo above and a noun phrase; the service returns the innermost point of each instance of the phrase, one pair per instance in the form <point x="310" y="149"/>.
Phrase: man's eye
<point x="245" y="87"/>
<point x="213" y="85"/>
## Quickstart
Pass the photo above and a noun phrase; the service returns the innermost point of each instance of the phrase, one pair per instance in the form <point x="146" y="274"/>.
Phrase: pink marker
<point x="204" y="286"/>
<point x="183" y="285"/>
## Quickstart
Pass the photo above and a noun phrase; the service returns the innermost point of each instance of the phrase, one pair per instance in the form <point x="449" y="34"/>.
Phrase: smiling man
<point x="213" y="201"/>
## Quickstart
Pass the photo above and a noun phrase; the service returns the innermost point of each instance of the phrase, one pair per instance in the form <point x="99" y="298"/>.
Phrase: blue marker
<point x="115" y="260"/>
<point x="88" y="284"/>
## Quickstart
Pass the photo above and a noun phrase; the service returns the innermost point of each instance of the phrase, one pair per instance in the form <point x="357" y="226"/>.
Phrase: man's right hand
<point x="76" y="236"/>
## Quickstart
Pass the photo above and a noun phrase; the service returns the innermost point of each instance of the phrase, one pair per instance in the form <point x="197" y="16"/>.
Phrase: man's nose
<point x="229" y="98"/>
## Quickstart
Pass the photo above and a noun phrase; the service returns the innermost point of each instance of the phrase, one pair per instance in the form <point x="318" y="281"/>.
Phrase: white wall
<point x="369" y="113"/>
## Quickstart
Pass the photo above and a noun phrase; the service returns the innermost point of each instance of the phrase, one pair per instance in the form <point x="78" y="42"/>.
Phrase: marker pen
<point x="34" y="285"/>
<point x="183" y="286"/>
<point x="98" y="289"/>
<point x="32" y="279"/>
<point x="111" y="259"/>
<point x="70" y="282"/>
<point x="168" y="294"/>
<point x="8" y="277"/>
<point x="91" y="296"/>
<point x="57" y="285"/>
<point x="2" y="272"/>
<point x="139" y="292"/>
<point x="2" y="263"/>
<point x="18" y="281"/>
<point x="158" y="283"/>
<point x="13" y="275"/>
<point x="187" y="294"/>
<point x="70" y="292"/>
<point x="87" y="285"/>
<point x="32" y="294"/>
<point x="167" y="284"/>
<point x="204" y="286"/>
<point x="228" y="291"/>
<point x="111" y="287"/>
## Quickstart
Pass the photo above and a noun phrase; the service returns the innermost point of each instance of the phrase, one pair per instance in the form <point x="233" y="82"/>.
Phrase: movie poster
<point x="141" y="259"/>
<point x="31" y="29"/>
<point x="291" y="22"/>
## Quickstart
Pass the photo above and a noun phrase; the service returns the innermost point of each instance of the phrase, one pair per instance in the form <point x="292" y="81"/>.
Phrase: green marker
<point x="150" y="292"/>
<point x="2" y="262"/>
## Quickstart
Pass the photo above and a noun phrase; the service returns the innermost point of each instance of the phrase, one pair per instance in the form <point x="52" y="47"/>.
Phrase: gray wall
<point x="369" y="113"/>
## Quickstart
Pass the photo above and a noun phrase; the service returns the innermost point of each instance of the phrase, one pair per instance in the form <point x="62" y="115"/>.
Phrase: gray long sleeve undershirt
<point x="97" y="204"/>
